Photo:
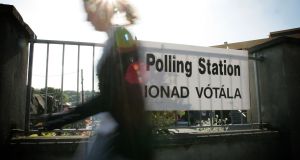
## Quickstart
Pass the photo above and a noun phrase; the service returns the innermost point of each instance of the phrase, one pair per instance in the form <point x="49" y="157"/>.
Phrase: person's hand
<point x="41" y="120"/>
<point x="40" y="126"/>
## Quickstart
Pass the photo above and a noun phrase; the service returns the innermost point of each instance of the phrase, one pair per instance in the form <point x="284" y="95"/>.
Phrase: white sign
<point x="184" y="77"/>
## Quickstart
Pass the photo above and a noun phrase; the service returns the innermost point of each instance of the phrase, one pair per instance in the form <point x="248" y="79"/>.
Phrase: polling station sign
<point x="181" y="77"/>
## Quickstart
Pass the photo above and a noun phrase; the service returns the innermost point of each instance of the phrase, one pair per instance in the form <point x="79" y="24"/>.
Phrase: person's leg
<point x="102" y="147"/>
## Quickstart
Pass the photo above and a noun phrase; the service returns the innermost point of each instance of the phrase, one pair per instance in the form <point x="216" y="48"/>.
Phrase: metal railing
<point x="48" y="43"/>
<point x="30" y="70"/>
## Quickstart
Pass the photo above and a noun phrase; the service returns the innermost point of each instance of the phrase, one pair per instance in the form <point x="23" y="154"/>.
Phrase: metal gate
<point x="238" y="116"/>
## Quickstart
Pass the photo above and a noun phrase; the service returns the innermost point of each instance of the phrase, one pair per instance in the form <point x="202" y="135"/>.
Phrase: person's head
<point x="99" y="13"/>
<point x="102" y="12"/>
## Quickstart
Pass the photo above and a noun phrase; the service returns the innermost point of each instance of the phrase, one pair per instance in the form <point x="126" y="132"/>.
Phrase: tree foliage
<point x="56" y="93"/>
<point x="162" y="119"/>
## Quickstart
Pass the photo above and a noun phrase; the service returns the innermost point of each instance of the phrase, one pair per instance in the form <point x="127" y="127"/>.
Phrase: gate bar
<point x="62" y="77"/>
<point x="29" y="91"/>
<point x="68" y="42"/>
<point x="46" y="82"/>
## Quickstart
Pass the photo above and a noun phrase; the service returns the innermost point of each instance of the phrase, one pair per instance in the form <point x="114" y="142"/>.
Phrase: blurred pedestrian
<point x="124" y="132"/>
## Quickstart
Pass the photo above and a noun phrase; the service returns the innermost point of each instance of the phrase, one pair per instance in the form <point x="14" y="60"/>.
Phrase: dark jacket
<point x="123" y="99"/>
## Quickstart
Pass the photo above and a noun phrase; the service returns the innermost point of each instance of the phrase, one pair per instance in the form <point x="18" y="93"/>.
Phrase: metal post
<point x="231" y="116"/>
<point x="46" y="80"/>
<point x="200" y="118"/>
<point x="189" y="118"/>
<point x="257" y="88"/>
<point x="82" y="91"/>
<point x="29" y="91"/>
<point x="241" y="116"/>
<point x="222" y="117"/>
<point x="211" y="118"/>
<point x="78" y="56"/>
<point x="62" y="77"/>
<point x="93" y="72"/>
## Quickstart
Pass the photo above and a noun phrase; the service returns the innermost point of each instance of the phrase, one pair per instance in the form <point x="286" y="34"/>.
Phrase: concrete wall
<point x="260" y="145"/>
<point x="13" y="71"/>
<point x="279" y="78"/>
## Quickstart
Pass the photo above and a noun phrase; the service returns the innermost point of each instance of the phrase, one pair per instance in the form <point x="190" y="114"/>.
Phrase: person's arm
<point x="57" y="120"/>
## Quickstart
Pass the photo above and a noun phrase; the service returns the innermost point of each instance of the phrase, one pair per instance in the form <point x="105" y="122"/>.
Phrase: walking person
<point x="124" y="132"/>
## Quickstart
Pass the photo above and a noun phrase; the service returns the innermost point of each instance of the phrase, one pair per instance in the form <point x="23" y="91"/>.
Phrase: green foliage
<point x="73" y="96"/>
<point x="67" y="96"/>
<point x="56" y="93"/>
<point x="162" y="119"/>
